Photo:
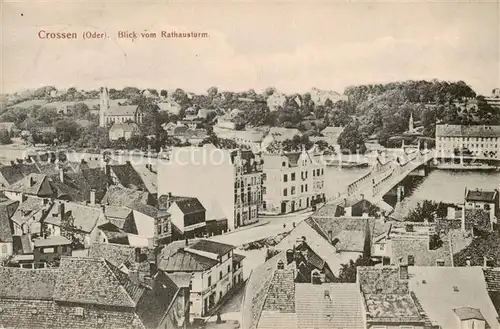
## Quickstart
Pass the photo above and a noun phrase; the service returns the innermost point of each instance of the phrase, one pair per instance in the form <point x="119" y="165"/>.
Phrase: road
<point x="273" y="228"/>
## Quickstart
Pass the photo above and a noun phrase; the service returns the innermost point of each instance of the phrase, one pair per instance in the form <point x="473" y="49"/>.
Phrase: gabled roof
<point x="184" y="261"/>
<point x="212" y="247"/>
<point x="403" y="247"/>
<point x="128" y="177"/>
<point x="114" y="234"/>
<point x="30" y="184"/>
<point x="22" y="244"/>
<point x="16" y="172"/>
<point x="84" y="218"/>
<point x="188" y="205"/>
<point x="27" y="209"/>
<point x="117" y="254"/>
<point x="443" y="289"/>
<point x="27" y="284"/>
<point x="73" y="186"/>
<point x="98" y="283"/>
<point x="478" y="195"/>
<point x="119" y="196"/>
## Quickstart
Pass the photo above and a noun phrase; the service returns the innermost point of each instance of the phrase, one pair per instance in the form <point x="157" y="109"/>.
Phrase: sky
<point x="292" y="46"/>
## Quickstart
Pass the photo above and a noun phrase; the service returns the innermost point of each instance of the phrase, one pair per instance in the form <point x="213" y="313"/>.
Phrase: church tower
<point x="410" y="124"/>
<point x="103" y="106"/>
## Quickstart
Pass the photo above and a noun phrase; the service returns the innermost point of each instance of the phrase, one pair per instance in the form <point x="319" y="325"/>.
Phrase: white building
<point x="480" y="140"/>
<point x="215" y="270"/>
<point x="114" y="112"/>
<point x="292" y="181"/>
<point x="227" y="182"/>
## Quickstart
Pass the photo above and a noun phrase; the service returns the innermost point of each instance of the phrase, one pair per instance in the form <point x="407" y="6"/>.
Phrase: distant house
<point x="330" y="135"/>
<point x="28" y="215"/>
<point x="124" y="130"/>
<point x="51" y="248"/>
<point x="106" y="296"/>
<point x="479" y="201"/>
<point x="187" y="216"/>
<point x="170" y="106"/>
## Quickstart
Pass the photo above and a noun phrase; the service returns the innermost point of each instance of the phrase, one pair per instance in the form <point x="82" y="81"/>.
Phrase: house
<point x="29" y="214"/>
<point x="110" y="113"/>
<point x="33" y="185"/>
<point x="292" y="181"/>
<point x="73" y="220"/>
<point x="212" y="265"/>
<point x="75" y="187"/>
<point x="248" y="138"/>
<point x="121" y="196"/>
<point x="417" y="244"/>
<point x="279" y="134"/>
<point x="479" y="201"/>
<point x="51" y="248"/>
<point x="336" y="240"/>
<point x="105" y="296"/>
<point x="187" y="216"/>
<point x="236" y="173"/>
<point x="10" y="174"/>
<point x="453" y="297"/>
<point x="275" y="297"/>
<point x="481" y="141"/>
<point x="125" y="130"/>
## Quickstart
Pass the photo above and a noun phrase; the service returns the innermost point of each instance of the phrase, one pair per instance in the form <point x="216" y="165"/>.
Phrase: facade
<point x="187" y="216"/>
<point x="236" y="174"/>
<point x="123" y="130"/>
<point x="479" y="141"/>
<point x="211" y="267"/>
<point x="116" y="113"/>
<point x="486" y="201"/>
<point x="292" y="181"/>
<point x="51" y="248"/>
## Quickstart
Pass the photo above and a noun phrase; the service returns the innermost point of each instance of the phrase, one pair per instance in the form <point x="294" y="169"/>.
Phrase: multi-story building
<point x="226" y="182"/>
<point x="479" y="141"/>
<point x="215" y="270"/>
<point x="292" y="181"/>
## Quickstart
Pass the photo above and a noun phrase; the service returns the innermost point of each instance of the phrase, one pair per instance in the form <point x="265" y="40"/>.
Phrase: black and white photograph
<point x="249" y="164"/>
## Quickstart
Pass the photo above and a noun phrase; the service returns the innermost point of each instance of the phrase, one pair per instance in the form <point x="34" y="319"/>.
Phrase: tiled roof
<point x="30" y="184"/>
<point x="15" y="173"/>
<point x="329" y="210"/>
<point x="5" y="226"/>
<point x="97" y="283"/>
<point x="26" y="209"/>
<point x="84" y="218"/>
<point x="119" y="196"/>
<point x="478" y="195"/>
<point x="125" y="127"/>
<point x="381" y="280"/>
<point x="419" y="249"/>
<point x="281" y="293"/>
<point x="238" y="258"/>
<point x="96" y="179"/>
<point x="492" y="276"/>
<point x="212" y="247"/>
<point x="144" y="209"/>
<point x="74" y="186"/>
<point x="53" y="240"/>
<point x="391" y="308"/>
<point x="441" y="289"/>
<point x="128" y="177"/>
<point x="343" y="308"/>
<point x="116" y="212"/>
<point x="275" y="320"/>
<point x="467" y="131"/>
<point x="183" y="261"/>
<point x="114" y="234"/>
<point x="20" y="283"/>
<point x="117" y="254"/>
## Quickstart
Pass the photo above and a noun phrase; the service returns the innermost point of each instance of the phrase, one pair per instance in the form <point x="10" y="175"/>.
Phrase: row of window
<point x="209" y="278"/>
<point x="303" y="188"/>
<point x="472" y="139"/>
<point x="482" y="145"/>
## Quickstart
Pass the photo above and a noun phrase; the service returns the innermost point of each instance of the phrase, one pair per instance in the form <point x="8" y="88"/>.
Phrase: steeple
<point x="103" y="106"/>
<point x="410" y="124"/>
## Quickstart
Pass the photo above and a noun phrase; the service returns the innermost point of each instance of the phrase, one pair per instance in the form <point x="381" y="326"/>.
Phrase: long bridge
<point x="384" y="176"/>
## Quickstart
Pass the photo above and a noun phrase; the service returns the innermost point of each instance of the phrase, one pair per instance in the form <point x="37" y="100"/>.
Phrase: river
<point x="440" y="185"/>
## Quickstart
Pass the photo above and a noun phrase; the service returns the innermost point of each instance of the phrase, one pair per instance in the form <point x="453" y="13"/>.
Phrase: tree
<point x="212" y="92"/>
<point x="351" y="139"/>
<point x="425" y="211"/>
<point x="348" y="272"/>
<point x="163" y="93"/>
<point x="5" y="137"/>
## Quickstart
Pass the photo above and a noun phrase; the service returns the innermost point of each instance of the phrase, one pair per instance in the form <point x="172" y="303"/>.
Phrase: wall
<point x="145" y="224"/>
<point x="48" y="257"/>
<point x="5" y="249"/>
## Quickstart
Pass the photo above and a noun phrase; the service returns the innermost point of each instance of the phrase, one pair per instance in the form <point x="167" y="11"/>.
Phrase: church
<point x="110" y="113"/>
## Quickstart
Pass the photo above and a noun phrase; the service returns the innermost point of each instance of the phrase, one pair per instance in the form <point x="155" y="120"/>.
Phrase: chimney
<point x="45" y="201"/>
<point x="187" y="242"/>
<point x="281" y="265"/>
<point x="31" y="181"/>
<point x="403" y="271"/>
<point x="467" y="261"/>
<point x="345" y="202"/>
<point x="487" y="262"/>
<point x="61" y="210"/>
<point x="92" y="197"/>
<point x="330" y="235"/>
<point x="327" y="295"/>
<point x="137" y="255"/>
<point x="289" y="256"/>
<point x="61" y="175"/>
<point x="152" y="269"/>
<point x="23" y="197"/>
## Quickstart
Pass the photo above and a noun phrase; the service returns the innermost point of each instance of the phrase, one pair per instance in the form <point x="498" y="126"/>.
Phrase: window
<point x="301" y="188"/>
<point x="411" y="260"/>
<point x="382" y="246"/>
<point x="285" y="193"/>
<point x="264" y="190"/>
<point x="228" y="268"/>
<point x="293" y="190"/>
<point x="209" y="280"/>
<point x="283" y="164"/>
<point x="293" y="177"/>
<point x="47" y="250"/>
<point x="264" y="176"/>
<point x="79" y="311"/>
<point x="220" y="275"/>
<point x="285" y="178"/>
<point x="306" y="187"/>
